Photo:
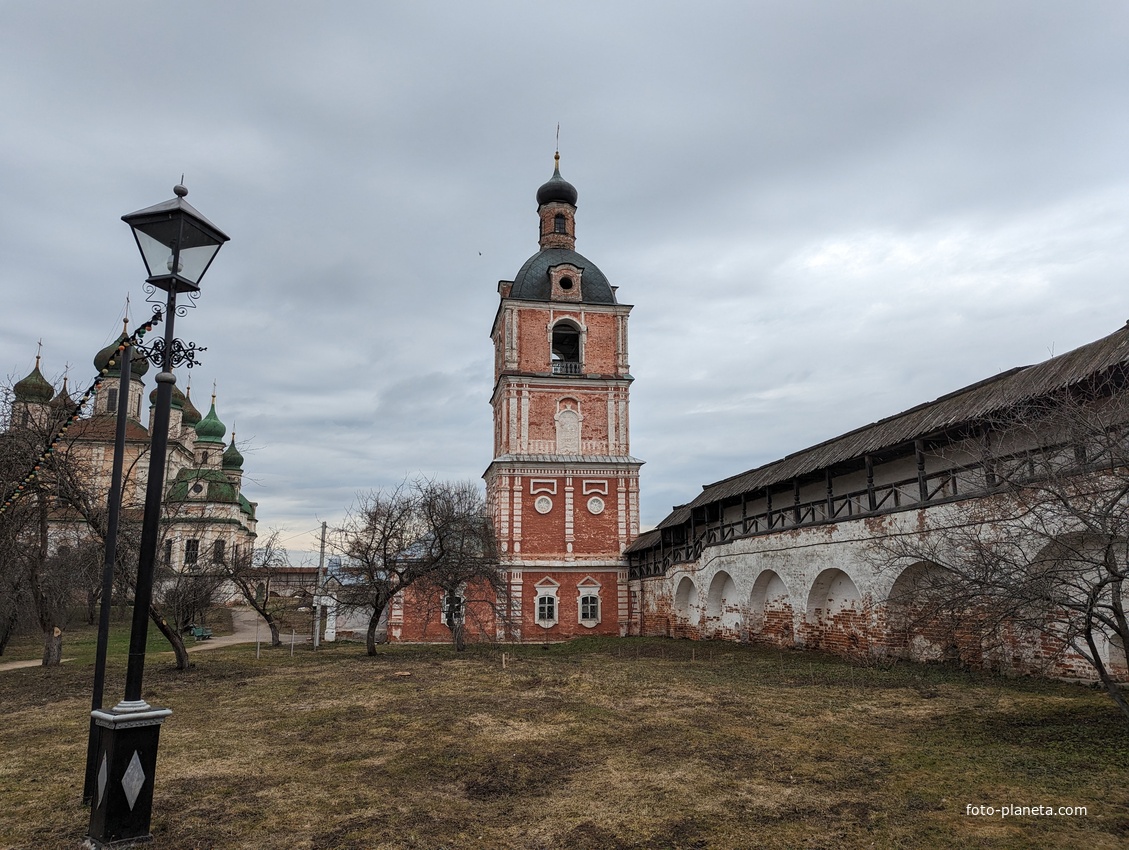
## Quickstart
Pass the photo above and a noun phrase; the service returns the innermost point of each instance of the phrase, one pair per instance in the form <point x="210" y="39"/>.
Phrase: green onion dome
<point x="178" y="398"/>
<point x="190" y="415"/>
<point x="232" y="459"/>
<point x="138" y="366"/>
<point x="63" y="401"/>
<point x="210" y="429"/>
<point x="34" y="389"/>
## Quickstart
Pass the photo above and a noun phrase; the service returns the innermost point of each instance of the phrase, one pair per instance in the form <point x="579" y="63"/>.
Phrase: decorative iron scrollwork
<point x="156" y="296"/>
<point x="182" y="354"/>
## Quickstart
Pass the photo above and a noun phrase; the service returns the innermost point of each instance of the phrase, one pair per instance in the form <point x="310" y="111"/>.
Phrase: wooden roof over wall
<point x="964" y="406"/>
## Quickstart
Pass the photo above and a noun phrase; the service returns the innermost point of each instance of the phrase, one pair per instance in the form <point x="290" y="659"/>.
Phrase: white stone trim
<point x="547" y="588"/>
<point x="588" y="586"/>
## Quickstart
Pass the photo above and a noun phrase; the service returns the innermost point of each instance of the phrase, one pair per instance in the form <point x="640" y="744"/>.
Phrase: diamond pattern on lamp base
<point x="123" y="804"/>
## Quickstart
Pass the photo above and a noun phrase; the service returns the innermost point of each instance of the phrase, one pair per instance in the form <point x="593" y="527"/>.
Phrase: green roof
<point x="213" y="483"/>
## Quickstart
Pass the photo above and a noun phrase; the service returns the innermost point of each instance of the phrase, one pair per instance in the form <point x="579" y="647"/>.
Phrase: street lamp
<point x="177" y="245"/>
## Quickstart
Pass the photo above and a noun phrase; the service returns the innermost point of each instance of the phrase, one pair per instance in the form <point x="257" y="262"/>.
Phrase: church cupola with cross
<point x="107" y="402"/>
<point x="563" y="488"/>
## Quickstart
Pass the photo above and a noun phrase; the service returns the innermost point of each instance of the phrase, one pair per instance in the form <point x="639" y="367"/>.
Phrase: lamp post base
<point x="126" y="763"/>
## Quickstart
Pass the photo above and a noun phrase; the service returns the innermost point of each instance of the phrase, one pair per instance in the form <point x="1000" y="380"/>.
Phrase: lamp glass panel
<point x="158" y="239"/>
<point x="194" y="261"/>
<point x="154" y="253"/>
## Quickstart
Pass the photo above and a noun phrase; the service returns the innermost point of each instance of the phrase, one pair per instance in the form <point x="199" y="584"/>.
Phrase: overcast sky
<point x="824" y="213"/>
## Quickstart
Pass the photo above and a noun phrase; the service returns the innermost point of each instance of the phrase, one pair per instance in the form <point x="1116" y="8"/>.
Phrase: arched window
<point x="546" y="603"/>
<point x="566" y="349"/>
<point x="546" y="609"/>
<point x="588" y="602"/>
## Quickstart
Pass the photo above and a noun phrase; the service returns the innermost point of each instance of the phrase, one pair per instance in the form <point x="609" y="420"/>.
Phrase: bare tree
<point x="1046" y="552"/>
<point x="252" y="574"/>
<point x="39" y="570"/>
<point x="462" y="550"/>
<point x="15" y="534"/>
<point x="419" y="532"/>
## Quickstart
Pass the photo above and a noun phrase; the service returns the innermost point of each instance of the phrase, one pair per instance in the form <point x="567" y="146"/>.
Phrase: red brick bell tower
<point x="563" y="488"/>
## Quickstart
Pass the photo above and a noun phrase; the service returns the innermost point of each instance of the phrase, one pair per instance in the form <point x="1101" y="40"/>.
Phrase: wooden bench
<point x="198" y="632"/>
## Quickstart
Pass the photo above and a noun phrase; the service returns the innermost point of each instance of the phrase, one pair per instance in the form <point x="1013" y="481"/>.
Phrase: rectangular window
<point x="546" y="608"/>
<point x="589" y="607"/>
<point x="217" y="551"/>
<point x="112" y="400"/>
<point x="452" y="607"/>
<point x="191" y="552"/>
<point x="168" y="552"/>
<point x="234" y="552"/>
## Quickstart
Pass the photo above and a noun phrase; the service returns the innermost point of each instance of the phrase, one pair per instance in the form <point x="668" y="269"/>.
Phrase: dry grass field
<point x="592" y="745"/>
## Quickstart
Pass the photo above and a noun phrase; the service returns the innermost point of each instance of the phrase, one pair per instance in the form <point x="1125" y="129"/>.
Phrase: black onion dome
<point x="557" y="189"/>
<point x="532" y="283"/>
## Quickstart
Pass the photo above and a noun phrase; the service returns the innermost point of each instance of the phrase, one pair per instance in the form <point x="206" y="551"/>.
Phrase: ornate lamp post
<point x="178" y="245"/>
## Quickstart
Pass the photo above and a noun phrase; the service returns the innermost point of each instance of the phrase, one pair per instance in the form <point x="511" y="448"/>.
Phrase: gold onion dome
<point x="34" y="388"/>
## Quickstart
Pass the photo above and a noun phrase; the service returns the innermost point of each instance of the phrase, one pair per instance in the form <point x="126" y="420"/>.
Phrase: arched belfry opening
<point x="566" y="349"/>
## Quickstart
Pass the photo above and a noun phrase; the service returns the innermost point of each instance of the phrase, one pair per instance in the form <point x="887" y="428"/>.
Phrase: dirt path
<point x="243" y="630"/>
<point x="244" y="622"/>
<point x="17" y="665"/>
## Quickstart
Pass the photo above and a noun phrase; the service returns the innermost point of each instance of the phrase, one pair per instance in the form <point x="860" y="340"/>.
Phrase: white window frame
<point x="460" y="595"/>
<point x="588" y="587"/>
<point x="547" y="589"/>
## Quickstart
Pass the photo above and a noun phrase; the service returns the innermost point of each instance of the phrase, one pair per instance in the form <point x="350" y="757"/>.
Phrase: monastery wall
<point x="825" y="587"/>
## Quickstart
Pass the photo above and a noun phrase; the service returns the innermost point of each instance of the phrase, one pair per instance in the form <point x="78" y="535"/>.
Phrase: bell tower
<point x="563" y="488"/>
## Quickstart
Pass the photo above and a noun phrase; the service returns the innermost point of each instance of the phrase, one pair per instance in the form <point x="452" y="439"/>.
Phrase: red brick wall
<point x="596" y="534"/>
<point x="779" y="626"/>
<point x="533" y="345"/>
<point x="423" y="614"/>
<point x="567" y="599"/>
